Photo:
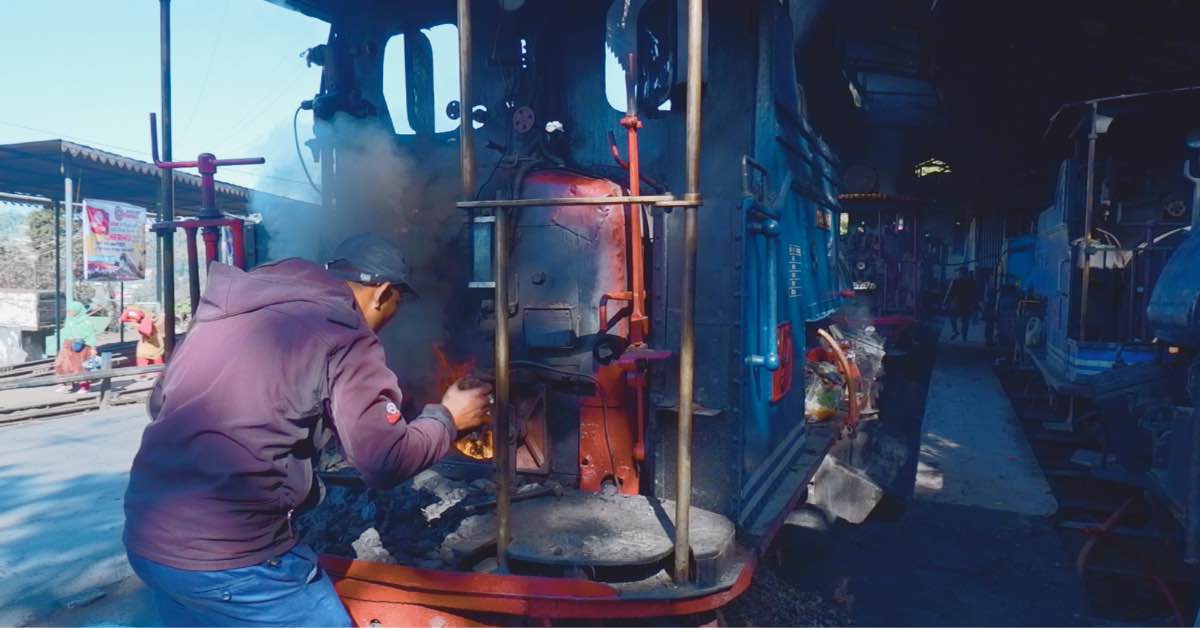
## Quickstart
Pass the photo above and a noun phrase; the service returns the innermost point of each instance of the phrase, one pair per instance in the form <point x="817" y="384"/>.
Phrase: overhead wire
<point x="300" y="153"/>
<point x="212" y="51"/>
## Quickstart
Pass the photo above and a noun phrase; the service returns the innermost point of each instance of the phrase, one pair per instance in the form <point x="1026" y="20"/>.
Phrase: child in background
<point x="151" y="348"/>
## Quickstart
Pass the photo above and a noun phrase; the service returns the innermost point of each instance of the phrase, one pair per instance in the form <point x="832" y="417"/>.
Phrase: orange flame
<point x="477" y="445"/>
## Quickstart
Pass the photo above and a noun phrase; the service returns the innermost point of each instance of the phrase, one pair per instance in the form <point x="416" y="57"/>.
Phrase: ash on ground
<point x="772" y="601"/>
<point x="426" y="522"/>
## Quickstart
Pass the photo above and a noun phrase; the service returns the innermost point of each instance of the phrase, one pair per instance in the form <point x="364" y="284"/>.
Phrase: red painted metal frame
<point x="850" y="371"/>
<point x="392" y="593"/>
<point x="236" y="233"/>
<point x="781" y="379"/>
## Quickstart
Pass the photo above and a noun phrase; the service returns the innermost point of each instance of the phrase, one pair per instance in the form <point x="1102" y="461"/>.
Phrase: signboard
<point x="114" y="241"/>
<point x="795" y="270"/>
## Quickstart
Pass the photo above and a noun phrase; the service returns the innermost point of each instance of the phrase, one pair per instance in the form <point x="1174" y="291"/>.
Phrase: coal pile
<point x="773" y="601"/>
<point x="426" y="522"/>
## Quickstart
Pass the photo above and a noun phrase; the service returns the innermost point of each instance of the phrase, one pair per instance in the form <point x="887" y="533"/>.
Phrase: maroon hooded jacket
<point x="277" y="359"/>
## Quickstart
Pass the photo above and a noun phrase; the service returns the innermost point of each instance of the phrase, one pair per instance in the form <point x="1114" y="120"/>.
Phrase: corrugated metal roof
<point x="38" y="168"/>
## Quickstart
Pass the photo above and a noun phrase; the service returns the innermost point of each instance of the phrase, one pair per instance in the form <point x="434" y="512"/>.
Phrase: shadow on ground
<point x="61" y="556"/>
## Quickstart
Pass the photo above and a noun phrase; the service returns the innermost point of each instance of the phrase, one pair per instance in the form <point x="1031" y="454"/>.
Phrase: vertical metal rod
<point x="501" y="430"/>
<point x="237" y="237"/>
<point x="466" y="131"/>
<point x="1087" y="227"/>
<point x="122" y="285"/>
<point x="639" y="323"/>
<point x="193" y="268"/>
<point x="69" y="204"/>
<point x="687" y="342"/>
<point x="58" y="298"/>
<point x="166" y="194"/>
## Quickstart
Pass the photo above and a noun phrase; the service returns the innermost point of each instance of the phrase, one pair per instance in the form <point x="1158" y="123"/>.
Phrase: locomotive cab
<point x="582" y="308"/>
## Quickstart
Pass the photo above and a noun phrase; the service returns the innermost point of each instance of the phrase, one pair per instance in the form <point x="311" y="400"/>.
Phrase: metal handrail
<point x="691" y="201"/>
<point x="52" y="380"/>
<point x="570" y="200"/>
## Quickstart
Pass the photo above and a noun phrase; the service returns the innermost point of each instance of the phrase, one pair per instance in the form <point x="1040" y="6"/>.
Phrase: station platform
<point x="62" y="483"/>
<point x="973" y="451"/>
<point x="975" y="545"/>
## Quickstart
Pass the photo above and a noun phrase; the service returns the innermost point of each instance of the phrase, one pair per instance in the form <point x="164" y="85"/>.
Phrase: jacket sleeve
<point x="364" y="401"/>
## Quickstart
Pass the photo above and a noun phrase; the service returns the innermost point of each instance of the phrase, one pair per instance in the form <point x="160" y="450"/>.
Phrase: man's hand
<point x="469" y="401"/>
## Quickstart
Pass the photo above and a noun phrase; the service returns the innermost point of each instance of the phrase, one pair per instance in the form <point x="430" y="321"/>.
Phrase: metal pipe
<point x="1087" y="227"/>
<point x="58" y="298"/>
<point x="695" y="52"/>
<point x="655" y="199"/>
<point x="639" y="323"/>
<point x="69" y="204"/>
<point x="166" y="193"/>
<point x="687" y="342"/>
<point x="502" y="432"/>
<point x="193" y="268"/>
<point x="466" y="130"/>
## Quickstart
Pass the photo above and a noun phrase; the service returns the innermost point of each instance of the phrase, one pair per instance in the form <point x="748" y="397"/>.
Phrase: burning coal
<point x="477" y="445"/>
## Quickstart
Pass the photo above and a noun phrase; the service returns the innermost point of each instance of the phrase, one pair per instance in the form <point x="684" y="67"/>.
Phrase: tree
<point x="40" y="227"/>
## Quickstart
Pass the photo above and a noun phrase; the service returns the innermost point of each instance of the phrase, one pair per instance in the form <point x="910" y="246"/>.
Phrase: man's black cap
<point x="371" y="259"/>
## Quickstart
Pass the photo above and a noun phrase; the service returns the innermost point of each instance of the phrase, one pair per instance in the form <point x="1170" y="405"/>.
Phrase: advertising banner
<point x="114" y="241"/>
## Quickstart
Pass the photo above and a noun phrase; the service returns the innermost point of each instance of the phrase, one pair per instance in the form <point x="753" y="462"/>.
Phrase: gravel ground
<point x="773" y="601"/>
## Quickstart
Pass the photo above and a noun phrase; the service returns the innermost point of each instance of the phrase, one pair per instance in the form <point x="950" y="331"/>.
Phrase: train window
<point x="412" y="69"/>
<point x="444" y="39"/>
<point x="395" y="87"/>
<point x="655" y="56"/>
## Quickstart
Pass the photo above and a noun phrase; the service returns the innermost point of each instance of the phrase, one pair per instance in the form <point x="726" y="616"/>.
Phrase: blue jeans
<point x="289" y="590"/>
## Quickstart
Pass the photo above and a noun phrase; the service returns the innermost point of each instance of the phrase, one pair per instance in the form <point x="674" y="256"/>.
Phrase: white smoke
<point x="383" y="190"/>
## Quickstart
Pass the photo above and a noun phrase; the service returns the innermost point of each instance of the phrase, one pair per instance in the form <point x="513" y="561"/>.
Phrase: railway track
<point x="125" y="390"/>
<point x="1126" y="545"/>
<point x="68" y="404"/>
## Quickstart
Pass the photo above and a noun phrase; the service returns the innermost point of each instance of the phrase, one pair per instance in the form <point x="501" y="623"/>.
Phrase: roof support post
<point x="69" y="216"/>
<point x="166" y="199"/>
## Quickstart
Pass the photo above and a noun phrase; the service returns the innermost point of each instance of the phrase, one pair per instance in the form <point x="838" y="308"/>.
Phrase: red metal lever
<point x="206" y="162"/>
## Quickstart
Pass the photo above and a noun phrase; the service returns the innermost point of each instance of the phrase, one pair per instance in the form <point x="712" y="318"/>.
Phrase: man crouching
<point x="279" y="360"/>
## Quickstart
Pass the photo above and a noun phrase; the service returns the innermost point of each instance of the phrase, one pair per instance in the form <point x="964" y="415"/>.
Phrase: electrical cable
<point x="612" y="460"/>
<point x="300" y="153"/>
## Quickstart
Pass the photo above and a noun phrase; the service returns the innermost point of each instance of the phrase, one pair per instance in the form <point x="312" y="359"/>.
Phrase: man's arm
<point x="365" y="405"/>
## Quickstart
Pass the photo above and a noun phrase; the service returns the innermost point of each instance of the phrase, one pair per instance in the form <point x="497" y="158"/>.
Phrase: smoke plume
<point x="382" y="189"/>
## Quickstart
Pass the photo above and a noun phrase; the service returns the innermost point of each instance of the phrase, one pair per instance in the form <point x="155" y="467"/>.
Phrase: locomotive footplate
<point x="612" y="533"/>
<point x="612" y="538"/>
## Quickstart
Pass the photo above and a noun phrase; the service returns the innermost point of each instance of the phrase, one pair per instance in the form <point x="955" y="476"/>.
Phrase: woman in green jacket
<point x="78" y="345"/>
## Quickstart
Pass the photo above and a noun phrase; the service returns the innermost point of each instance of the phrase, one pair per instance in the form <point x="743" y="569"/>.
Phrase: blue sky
<point x="88" y="71"/>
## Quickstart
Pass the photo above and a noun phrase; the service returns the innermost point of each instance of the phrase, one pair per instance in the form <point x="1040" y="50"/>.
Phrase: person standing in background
<point x="962" y="299"/>
<point x="151" y="348"/>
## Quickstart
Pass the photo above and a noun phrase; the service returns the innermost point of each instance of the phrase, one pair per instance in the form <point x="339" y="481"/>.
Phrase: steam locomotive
<point x="645" y="312"/>
<point x="1109" y="307"/>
